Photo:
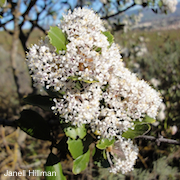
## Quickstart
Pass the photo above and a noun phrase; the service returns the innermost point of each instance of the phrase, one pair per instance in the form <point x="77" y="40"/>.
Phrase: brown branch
<point x="119" y="12"/>
<point x="3" y="24"/>
<point x="14" y="46"/>
<point x="159" y="139"/>
<point x="31" y="4"/>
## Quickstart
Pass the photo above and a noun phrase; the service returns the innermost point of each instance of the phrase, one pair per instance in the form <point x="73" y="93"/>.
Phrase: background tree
<point x="21" y="17"/>
<point x="40" y="14"/>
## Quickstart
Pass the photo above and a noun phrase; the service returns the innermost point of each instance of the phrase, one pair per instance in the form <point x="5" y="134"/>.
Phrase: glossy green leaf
<point x="104" y="143"/>
<point x="109" y="36"/>
<point x="81" y="131"/>
<point x="34" y="124"/>
<point x="76" y="132"/>
<point x="97" y="49"/>
<point x="80" y="163"/>
<point x="146" y="120"/>
<point x="3" y="3"/>
<point x="71" y="132"/>
<point x="44" y="102"/>
<point x="75" y="147"/>
<point x="75" y="78"/>
<point x="138" y="130"/>
<point x="104" y="154"/>
<point x="57" y="38"/>
<point x="53" y="167"/>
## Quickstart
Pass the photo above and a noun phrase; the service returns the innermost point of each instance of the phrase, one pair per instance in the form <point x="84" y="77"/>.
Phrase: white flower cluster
<point x="169" y="5"/>
<point x="124" y="156"/>
<point x="97" y="89"/>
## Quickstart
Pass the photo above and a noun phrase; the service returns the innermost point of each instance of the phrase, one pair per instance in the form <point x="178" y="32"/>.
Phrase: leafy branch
<point x="158" y="140"/>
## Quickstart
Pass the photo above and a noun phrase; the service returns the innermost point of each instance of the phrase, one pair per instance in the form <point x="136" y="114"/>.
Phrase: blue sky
<point x="43" y="16"/>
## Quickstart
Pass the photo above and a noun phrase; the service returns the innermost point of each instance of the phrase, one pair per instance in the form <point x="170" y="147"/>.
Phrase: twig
<point x="159" y="140"/>
<point x="119" y="12"/>
<point x="33" y="165"/>
<point x="6" y="122"/>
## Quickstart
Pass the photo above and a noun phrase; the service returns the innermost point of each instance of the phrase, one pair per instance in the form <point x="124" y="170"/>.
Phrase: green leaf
<point x="97" y="49"/>
<point x="109" y="36"/>
<point x="139" y="129"/>
<point x="3" y="3"/>
<point x="80" y="163"/>
<point x="57" y="38"/>
<point x="104" y="143"/>
<point x="75" y="132"/>
<point x="81" y="131"/>
<point x="53" y="166"/>
<point x="71" y="132"/>
<point x="104" y="154"/>
<point x="146" y="120"/>
<point x="75" y="78"/>
<point x="160" y="4"/>
<point x="44" y="102"/>
<point x="75" y="147"/>
<point x="34" y="125"/>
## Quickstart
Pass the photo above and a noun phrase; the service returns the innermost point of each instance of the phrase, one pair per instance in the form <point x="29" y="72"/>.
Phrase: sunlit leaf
<point x="71" y="132"/>
<point x="75" y="132"/>
<point x="97" y="49"/>
<point x="104" y="154"/>
<point x="57" y="38"/>
<point x="80" y="163"/>
<point x="3" y="3"/>
<point x="146" y="120"/>
<point x="81" y="131"/>
<point x="53" y="166"/>
<point x="104" y="143"/>
<point x="109" y="36"/>
<point x="138" y="130"/>
<point x="34" y="124"/>
<point x="75" y="147"/>
<point x="76" y="78"/>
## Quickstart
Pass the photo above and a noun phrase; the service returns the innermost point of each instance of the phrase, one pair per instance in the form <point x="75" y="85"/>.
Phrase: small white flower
<point x="124" y="155"/>
<point x="104" y="94"/>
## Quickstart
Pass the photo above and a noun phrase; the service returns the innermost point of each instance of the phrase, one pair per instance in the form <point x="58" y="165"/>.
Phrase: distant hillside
<point x="151" y="20"/>
<point x="149" y="15"/>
